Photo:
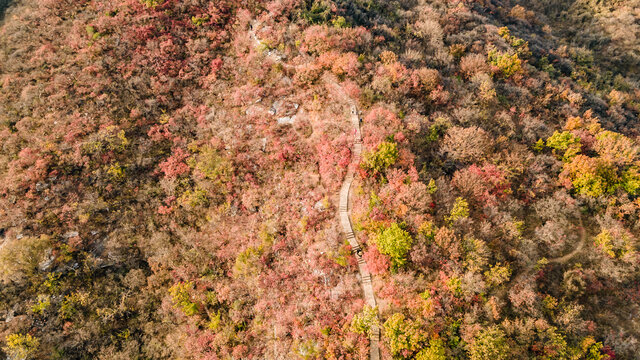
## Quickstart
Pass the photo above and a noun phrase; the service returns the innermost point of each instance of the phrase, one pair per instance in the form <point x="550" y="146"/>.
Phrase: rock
<point x="275" y="108"/>
<point x="46" y="264"/>
<point x="70" y="234"/>
<point x="255" y="110"/>
<point x="10" y="316"/>
<point x="320" y="205"/>
<point x="41" y="186"/>
<point x="286" y="81"/>
<point x="211" y="115"/>
<point x="287" y="120"/>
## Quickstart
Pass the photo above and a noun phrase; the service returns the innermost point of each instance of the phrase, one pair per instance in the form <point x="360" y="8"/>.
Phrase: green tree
<point x="489" y="344"/>
<point x="378" y="161"/>
<point x="631" y="181"/>
<point x="507" y="64"/>
<point x="395" y="243"/>
<point x="591" y="176"/>
<point x="435" y="351"/>
<point x="181" y="298"/>
<point x="365" y="321"/>
<point x="565" y="142"/>
<point x="460" y="210"/>
<point x="402" y="334"/>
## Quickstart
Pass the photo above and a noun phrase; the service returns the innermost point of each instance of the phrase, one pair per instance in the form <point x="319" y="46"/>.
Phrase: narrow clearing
<point x="343" y="209"/>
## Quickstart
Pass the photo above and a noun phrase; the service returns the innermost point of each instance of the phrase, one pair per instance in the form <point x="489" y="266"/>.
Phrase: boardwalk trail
<point x="345" y="221"/>
<point x="343" y="209"/>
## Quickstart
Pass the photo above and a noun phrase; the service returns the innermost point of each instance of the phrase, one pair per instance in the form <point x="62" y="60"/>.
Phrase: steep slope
<point x="171" y="175"/>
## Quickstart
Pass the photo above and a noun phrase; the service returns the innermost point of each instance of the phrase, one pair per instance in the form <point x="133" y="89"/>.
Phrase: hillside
<point x="319" y="179"/>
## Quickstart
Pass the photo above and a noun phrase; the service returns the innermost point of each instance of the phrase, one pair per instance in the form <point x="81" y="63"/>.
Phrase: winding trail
<point x="345" y="221"/>
<point x="558" y="260"/>
<point x="569" y="256"/>
<point x="345" y="191"/>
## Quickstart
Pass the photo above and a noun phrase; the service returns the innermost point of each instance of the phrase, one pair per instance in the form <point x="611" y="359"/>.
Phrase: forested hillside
<point x="170" y="173"/>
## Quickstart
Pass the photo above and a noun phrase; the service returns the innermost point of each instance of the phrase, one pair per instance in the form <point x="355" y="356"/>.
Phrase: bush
<point x="182" y="299"/>
<point x="318" y="13"/>
<point x="497" y="275"/>
<point x="19" y="258"/>
<point x="631" y="181"/>
<point x="507" y="64"/>
<point x="614" y="246"/>
<point x="21" y="346"/>
<point x="435" y="351"/>
<point x="473" y="64"/>
<point x="616" y="148"/>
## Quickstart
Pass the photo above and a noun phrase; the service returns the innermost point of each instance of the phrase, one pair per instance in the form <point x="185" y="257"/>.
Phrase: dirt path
<point x="345" y="190"/>
<point x="528" y="271"/>
<point x="569" y="256"/>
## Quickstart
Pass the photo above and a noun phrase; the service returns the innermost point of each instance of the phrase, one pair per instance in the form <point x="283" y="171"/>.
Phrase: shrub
<point x="246" y="263"/>
<point x="614" y="246"/>
<point x="521" y="46"/>
<point x="339" y="22"/>
<point x="151" y="3"/>
<point x="44" y="301"/>
<point x="72" y="303"/>
<point x="214" y="321"/>
<point x="507" y="64"/>
<point x="473" y="64"/>
<point x="426" y="80"/>
<point x="116" y="172"/>
<point x="19" y="258"/>
<point x="318" y="13"/>
<point x="194" y="198"/>
<point x="182" y="299"/>
<point x="395" y="243"/>
<point x="631" y="181"/>
<point x="21" y="346"/>
<point x="457" y="50"/>
<point x="497" y="275"/>
<point x="199" y="20"/>
<point x="615" y="148"/>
